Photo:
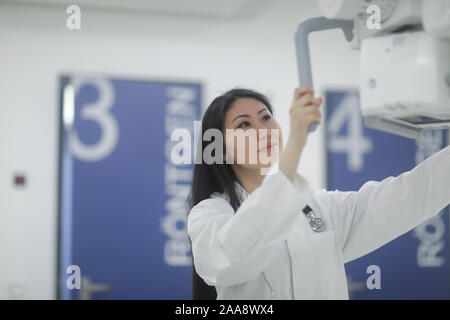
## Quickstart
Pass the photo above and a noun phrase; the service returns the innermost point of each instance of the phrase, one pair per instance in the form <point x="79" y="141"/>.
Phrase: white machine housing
<point x="405" y="65"/>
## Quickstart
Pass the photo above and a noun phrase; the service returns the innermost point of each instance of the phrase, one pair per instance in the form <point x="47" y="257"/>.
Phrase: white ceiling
<point x="201" y="8"/>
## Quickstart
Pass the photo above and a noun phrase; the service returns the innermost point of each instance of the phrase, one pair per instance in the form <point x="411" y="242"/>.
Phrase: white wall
<point x="35" y="47"/>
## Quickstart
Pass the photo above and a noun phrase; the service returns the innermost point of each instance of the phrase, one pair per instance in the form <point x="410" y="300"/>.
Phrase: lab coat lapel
<point x="302" y="258"/>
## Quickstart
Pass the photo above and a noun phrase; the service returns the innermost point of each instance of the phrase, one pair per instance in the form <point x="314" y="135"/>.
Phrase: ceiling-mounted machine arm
<point x="302" y="46"/>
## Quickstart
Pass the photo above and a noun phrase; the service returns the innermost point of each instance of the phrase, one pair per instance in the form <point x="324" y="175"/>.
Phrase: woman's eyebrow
<point x="246" y="115"/>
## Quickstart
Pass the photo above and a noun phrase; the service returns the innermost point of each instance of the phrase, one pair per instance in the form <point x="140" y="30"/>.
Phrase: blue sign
<point x="415" y="265"/>
<point x="123" y="208"/>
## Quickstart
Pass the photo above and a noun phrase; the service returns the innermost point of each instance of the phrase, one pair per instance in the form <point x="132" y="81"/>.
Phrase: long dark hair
<point x="216" y="177"/>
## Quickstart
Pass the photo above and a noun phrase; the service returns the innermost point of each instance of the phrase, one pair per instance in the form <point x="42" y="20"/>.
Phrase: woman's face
<point x="258" y="142"/>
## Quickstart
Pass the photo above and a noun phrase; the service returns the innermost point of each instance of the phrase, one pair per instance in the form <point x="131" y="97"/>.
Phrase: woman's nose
<point x="262" y="132"/>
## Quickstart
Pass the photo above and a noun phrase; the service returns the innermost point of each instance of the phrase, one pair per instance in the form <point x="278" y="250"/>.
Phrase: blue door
<point x="122" y="199"/>
<point x="415" y="265"/>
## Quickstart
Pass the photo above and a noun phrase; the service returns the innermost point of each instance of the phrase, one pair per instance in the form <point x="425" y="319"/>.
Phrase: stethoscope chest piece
<point x="316" y="224"/>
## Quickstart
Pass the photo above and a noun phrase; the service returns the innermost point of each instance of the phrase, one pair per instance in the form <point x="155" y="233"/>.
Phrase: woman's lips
<point x="269" y="147"/>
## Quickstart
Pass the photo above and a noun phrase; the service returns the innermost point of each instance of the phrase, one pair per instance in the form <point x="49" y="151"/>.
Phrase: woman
<point x="272" y="236"/>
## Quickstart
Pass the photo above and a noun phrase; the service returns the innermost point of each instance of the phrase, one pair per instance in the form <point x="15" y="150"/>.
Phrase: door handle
<point x="88" y="288"/>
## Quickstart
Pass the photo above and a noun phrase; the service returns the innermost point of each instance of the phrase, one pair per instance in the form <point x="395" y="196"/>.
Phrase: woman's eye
<point x="266" y="117"/>
<point x="244" y="124"/>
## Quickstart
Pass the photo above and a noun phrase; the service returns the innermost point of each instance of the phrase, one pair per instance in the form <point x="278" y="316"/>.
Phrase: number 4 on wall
<point x="354" y="143"/>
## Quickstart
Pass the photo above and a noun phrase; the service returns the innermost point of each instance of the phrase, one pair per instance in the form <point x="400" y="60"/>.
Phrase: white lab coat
<point x="267" y="249"/>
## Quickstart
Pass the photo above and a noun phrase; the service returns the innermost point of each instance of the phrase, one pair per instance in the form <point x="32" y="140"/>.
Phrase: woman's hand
<point x="303" y="112"/>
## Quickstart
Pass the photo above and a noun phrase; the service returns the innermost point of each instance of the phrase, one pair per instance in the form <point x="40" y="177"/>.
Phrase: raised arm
<point x="382" y="211"/>
<point x="230" y="248"/>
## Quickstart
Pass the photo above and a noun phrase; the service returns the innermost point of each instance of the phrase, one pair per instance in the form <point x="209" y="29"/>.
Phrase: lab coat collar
<point x="299" y="182"/>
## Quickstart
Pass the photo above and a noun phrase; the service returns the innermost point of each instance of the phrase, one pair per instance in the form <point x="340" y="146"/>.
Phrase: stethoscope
<point x="316" y="224"/>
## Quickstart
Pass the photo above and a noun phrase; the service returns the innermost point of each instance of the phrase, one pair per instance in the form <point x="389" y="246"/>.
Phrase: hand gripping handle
<point x="302" y="46"/>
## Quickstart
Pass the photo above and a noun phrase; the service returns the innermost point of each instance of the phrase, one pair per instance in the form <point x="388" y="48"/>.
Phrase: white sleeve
<point x="231" y="248"/>
<point x="382" y="211"/>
